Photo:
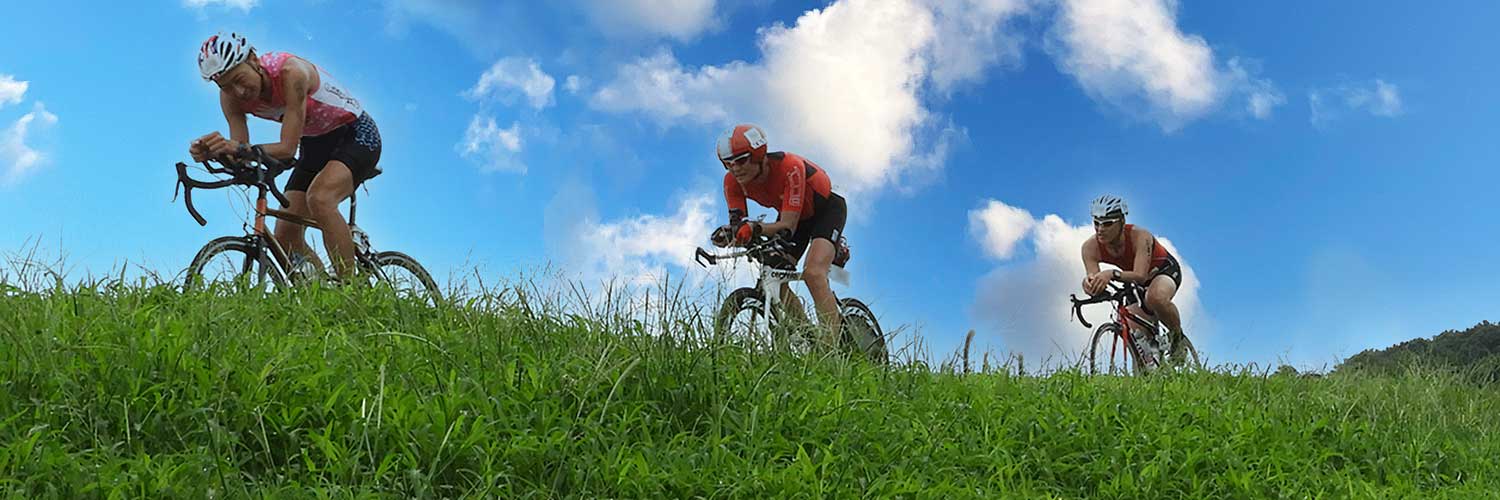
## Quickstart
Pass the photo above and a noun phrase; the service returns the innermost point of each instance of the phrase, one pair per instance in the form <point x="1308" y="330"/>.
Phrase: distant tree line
<point x="1475" y="352"/>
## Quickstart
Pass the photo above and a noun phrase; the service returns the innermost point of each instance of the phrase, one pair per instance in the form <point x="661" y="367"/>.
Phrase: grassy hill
<point x="137" y="391"/>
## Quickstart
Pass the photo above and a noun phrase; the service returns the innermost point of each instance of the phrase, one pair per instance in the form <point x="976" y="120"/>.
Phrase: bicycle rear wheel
<point x="232" y="260"/>
<point x="861" y="332"/>
<point x="406" y="276"/>
<point x="1110" y="354"/>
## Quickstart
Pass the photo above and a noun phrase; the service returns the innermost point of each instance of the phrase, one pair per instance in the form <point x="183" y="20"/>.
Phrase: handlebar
<point x="255" y="168"/>
<point x="761" y="250"/>
<point x="1112" y="293"/>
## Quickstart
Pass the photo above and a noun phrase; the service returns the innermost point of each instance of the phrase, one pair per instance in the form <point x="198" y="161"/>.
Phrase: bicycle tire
<point x="744" y="300"/>
<point x="428" y="286"/>
<point x="1192" y="352"/>
<point x="199" y="274"/>
<point x="872" y="342"/>
<point x="1120" y="356"/>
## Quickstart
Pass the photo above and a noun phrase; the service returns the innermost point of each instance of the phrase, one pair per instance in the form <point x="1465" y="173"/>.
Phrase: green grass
<point x="136" y="391"/>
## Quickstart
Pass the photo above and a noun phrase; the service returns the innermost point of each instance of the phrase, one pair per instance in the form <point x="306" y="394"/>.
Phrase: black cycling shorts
<point x="827" y="223"/>
<point x="356" y="144"/>
<point x="1171" y="269"/>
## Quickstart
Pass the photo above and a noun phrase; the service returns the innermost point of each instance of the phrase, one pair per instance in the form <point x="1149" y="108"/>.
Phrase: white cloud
<point x="680" y="19"/>
<point x="495" y="149"/>
<point x="1130" y="54"/>
<point x="511" y="76"/>
<point x="11" y="91"/>
<point x="1378" y="98"/>
<point x="853" y="100"/>
<point x="998" y="227"/>
<point x="1025" y="303"/>
<point x="1263" y="97"/>
<point x="244" y="5"/>
<point x="575" y="84"/>
<point x="970" y="39"/>
<point x="16" y="157"/>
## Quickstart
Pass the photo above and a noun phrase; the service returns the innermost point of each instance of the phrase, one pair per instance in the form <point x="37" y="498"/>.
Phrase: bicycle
<point x="1139" y="355"/>
<point x="259" y="260"/>
<point x="761" y="305"/>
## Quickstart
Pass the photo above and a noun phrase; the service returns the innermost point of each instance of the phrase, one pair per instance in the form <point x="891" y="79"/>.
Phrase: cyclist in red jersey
<point x="1140" y="259"/>
<point x="810" y="215"/>
<point x="336" y="143"/>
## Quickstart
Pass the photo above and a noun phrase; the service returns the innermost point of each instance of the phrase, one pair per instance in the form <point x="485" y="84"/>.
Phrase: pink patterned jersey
<point x="328" y="106"/>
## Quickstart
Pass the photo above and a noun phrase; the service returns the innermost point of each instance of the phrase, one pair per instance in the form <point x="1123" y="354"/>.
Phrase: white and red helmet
<point x="744" y="140"/>
<point x="222" y="52"/>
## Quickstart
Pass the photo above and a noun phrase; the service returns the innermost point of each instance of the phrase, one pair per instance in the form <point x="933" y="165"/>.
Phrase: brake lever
<point x="702" y="255"/>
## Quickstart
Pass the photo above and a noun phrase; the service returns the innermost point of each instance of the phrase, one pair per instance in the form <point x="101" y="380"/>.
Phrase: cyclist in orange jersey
<point x="810" y="215"/>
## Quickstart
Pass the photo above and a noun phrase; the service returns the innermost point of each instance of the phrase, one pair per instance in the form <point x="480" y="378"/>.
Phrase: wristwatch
<point x="1116" y="275"/>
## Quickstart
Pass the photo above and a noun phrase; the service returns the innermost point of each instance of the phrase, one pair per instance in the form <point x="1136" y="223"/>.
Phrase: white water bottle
<point x="1149" y="353"/>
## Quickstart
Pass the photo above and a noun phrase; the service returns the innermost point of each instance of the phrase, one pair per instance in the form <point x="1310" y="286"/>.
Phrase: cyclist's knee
<point x="323" y="201"/>
<point x="1158" y="301"/>
<point x="816" y="276"/>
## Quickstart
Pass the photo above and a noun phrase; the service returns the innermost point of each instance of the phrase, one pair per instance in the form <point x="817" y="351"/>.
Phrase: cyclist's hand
<point x="723" y="236"/>
<point x="746" y="233"/>
<point x="1096" y="283"/>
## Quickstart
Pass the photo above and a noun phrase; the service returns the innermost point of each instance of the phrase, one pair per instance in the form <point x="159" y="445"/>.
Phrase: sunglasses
<point x="1106" y="222"/>
<point x="738" y="161"/>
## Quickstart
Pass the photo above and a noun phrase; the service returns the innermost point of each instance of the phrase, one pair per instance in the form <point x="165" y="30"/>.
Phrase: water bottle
<point x="1149" y="353"/>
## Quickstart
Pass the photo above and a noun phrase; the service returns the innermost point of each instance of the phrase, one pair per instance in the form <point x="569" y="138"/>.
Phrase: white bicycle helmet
<point x="1108" y="206"/>
<point x="220" y="53"/>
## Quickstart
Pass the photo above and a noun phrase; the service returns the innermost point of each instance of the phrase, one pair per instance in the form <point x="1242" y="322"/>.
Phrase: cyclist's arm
<point x="239" y="131"/>
<point x="734" y="195"/>
<point x="1141" y="271"/>
<point x="1091" y="283"/>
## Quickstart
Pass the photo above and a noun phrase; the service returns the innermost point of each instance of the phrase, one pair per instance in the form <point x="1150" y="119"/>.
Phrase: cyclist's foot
<point x="1179" y="353"/>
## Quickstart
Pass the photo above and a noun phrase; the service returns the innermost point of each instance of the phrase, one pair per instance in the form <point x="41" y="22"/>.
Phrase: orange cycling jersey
<point x="790" y="180"/>
<point x="1126" y="260"/>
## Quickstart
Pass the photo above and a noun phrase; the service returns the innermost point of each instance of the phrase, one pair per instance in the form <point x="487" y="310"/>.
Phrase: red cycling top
<point x="1126" y="260"/>
<point x="789" y="180"/>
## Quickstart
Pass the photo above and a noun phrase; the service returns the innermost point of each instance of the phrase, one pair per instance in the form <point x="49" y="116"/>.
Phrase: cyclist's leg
<point x="791" y="305"/>
<point x="815" y="274"/>
<point x="1159" y="298"/>
<point x="293" y="236"/>
<point x="329" y="188"/>
<point x="353" y="158"/>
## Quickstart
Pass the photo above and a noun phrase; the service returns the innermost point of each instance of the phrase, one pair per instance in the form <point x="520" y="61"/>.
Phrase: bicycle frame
<point x="261" y="171"/>
<point x="1123" y="317"/>
<point x="770" y="279"/>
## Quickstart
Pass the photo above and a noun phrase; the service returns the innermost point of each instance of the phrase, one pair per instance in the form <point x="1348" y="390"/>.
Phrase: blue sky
<point x="1326" y="169"/>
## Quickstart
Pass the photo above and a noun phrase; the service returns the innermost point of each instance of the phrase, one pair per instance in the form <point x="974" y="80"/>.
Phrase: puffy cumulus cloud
<point x="999" y="227"/>
<point x="843" y="85"/>
<point x="1378" y="98"/>
<point x="493" y="148"/>
<point x="243" y="5"/>
<point x="511" y="77"/>
<point x="680" y="19"/>
<point x="1025" y="303"/>
<point x="641" y="251"/>
<point x="1131" y="54"/>
<point x="17" y="158"/>
<point x="11" y="91"/>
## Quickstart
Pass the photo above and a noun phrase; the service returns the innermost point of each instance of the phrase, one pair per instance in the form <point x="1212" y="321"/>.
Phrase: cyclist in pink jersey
<point x="339" y="143"/>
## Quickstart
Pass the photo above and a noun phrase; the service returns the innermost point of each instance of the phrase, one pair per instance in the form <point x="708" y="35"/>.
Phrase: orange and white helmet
<point x="222" y="52"/>
<point x="744" y="140"/>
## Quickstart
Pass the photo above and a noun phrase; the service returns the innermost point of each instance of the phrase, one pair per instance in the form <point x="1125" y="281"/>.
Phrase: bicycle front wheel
<point x="1110" y="354"/>
<point x="407" y="277"/>
<point x="232" y="260"/>
<point x="861" y="332"/>
<point x="742" y="318"/>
